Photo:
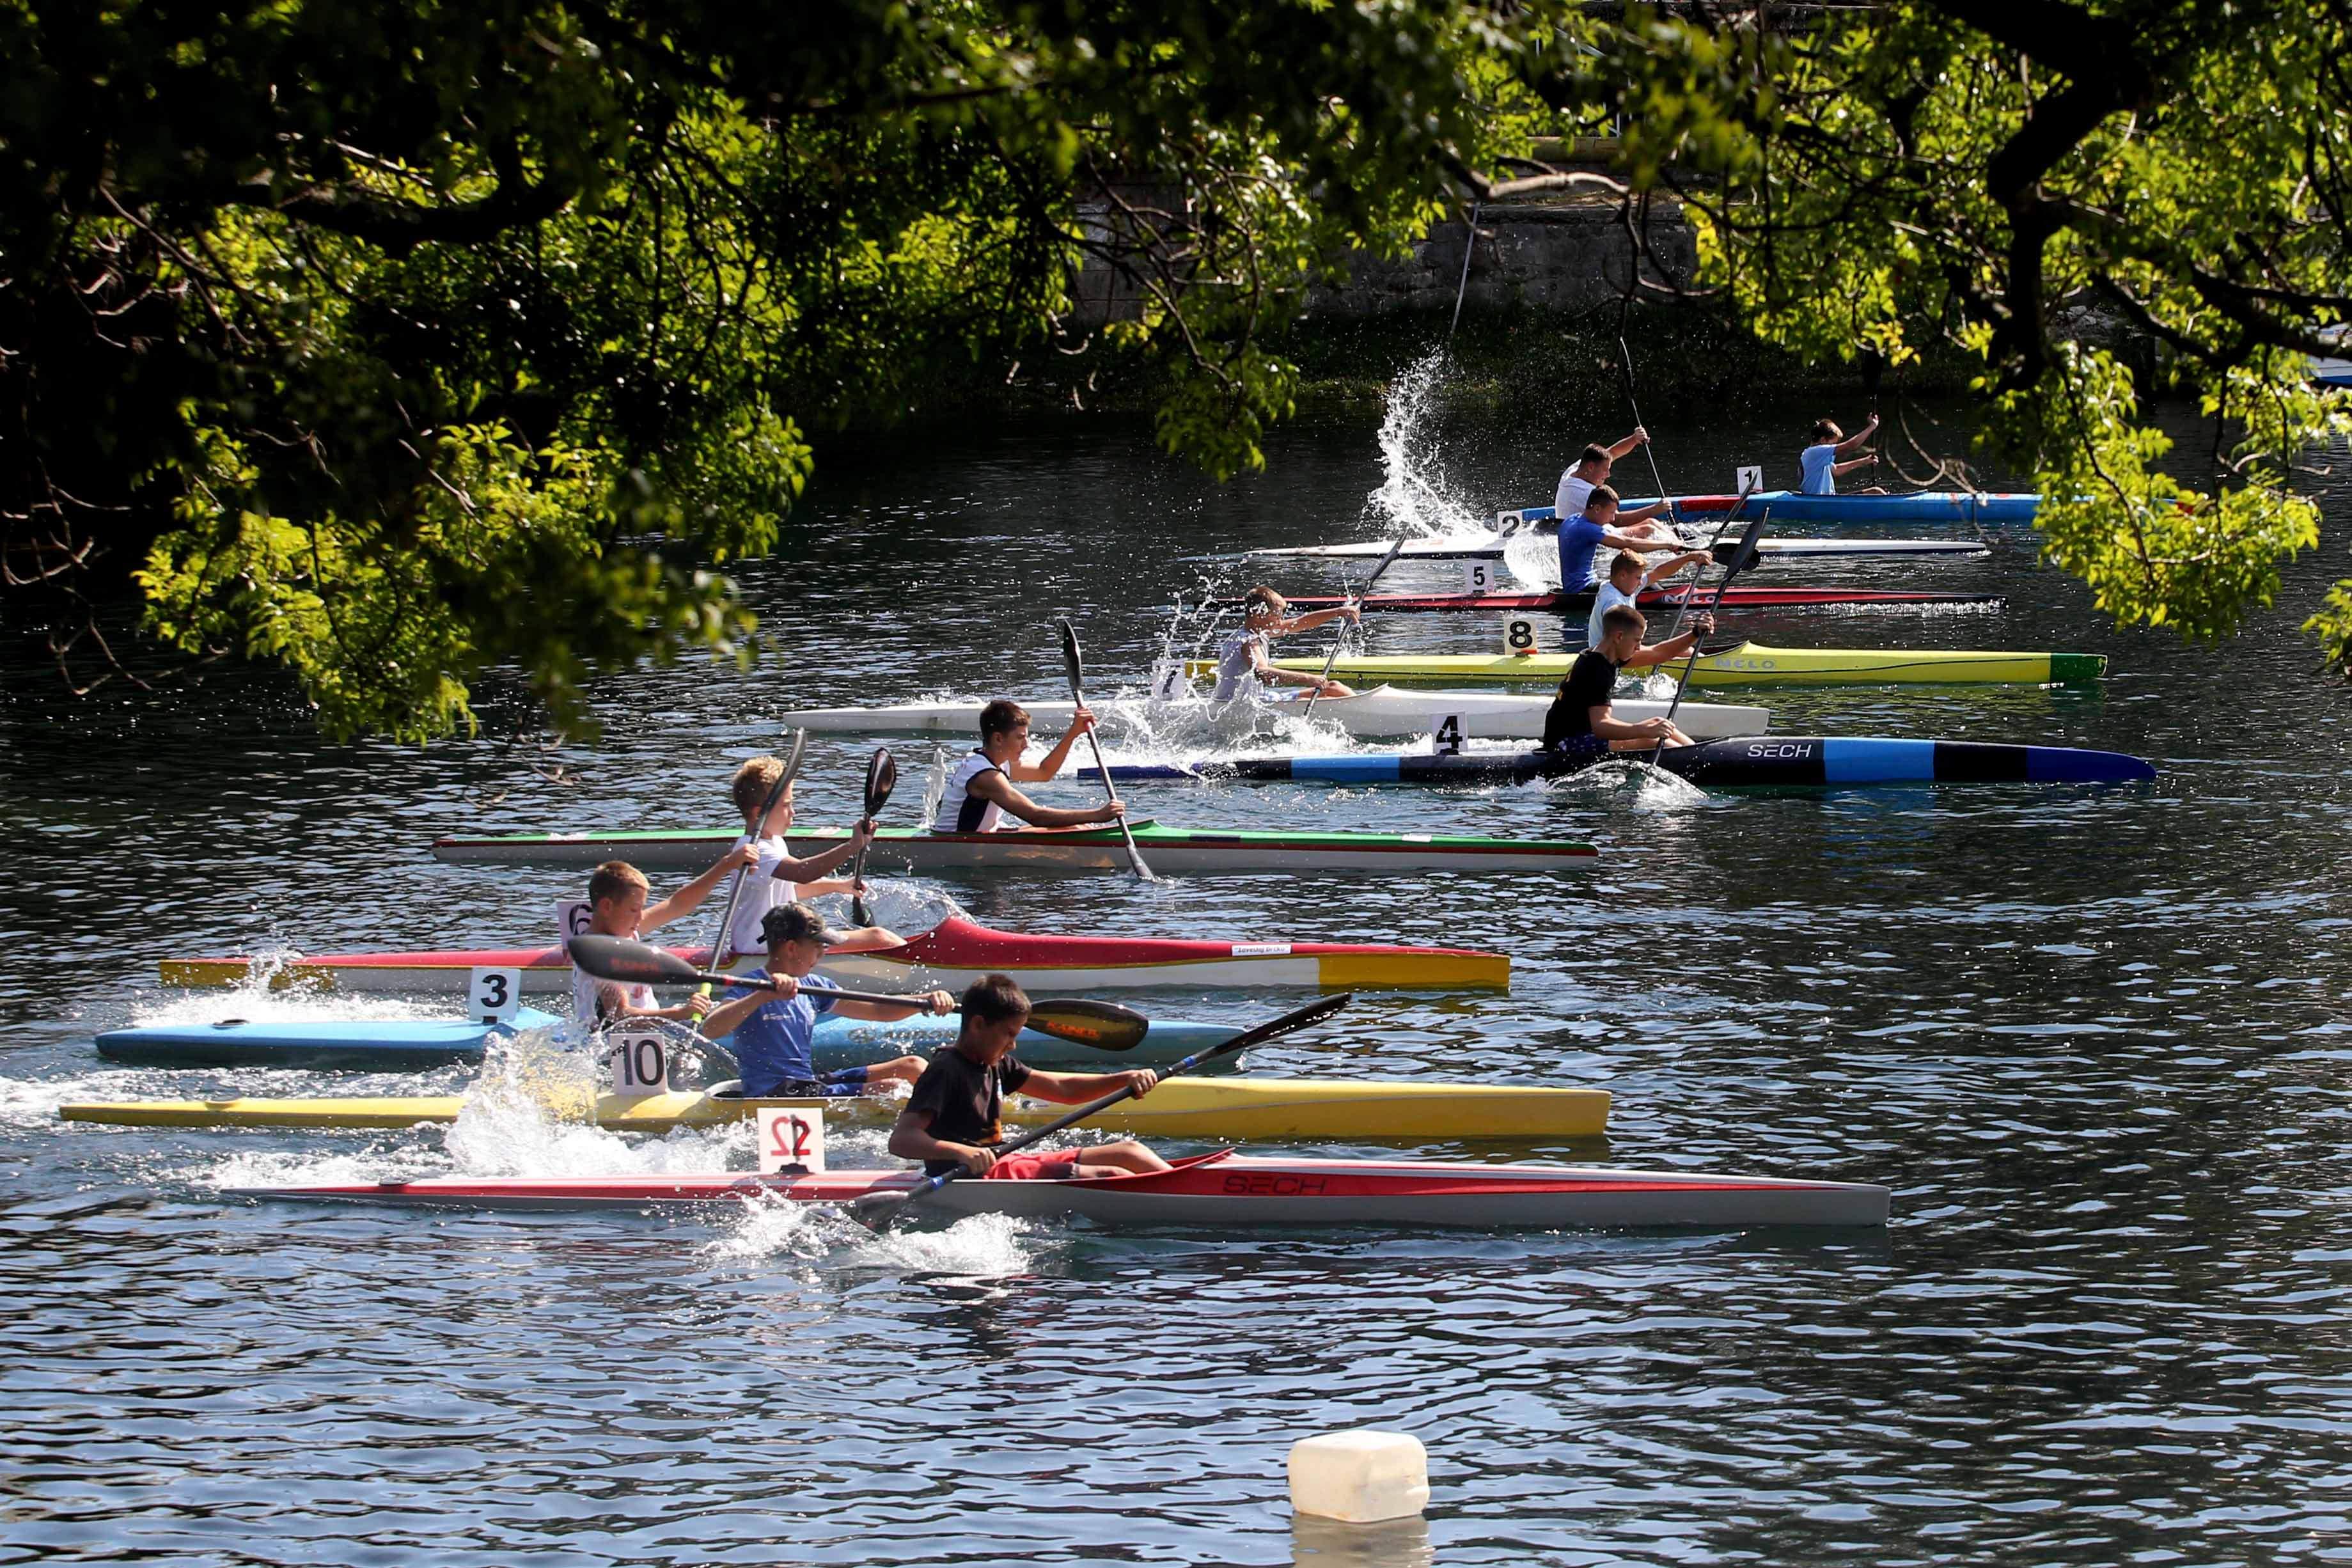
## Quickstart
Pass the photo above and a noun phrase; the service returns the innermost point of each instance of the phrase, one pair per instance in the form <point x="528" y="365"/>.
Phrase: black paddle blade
<point x="1743" y="555"/>
<point x="881" y="778"/>
<point x="630" y="963"/>
<point x="1071" y="662"/>
<point x="1105" y="1025"/>
<point x="1305" y="1018"/>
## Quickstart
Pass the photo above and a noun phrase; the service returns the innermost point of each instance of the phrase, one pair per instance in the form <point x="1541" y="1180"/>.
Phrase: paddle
<point x="881" y="778"/>
<point x="1873" y="366"/>
<point x="1075" y="668"/>
<point x="1625" y="363"/>
<point x="751" y="831"/>
<point x="1742" y="557"/>
<point x="878" y="1209"/>
<point x="1106" y="1026"/>
<point x="1683" y="601"/>
<point x="1333" y="657"/>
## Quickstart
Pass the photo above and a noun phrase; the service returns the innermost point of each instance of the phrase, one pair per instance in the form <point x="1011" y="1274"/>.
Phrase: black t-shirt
<point x="965" y="1100"/>
<point x="1591" y="681"/>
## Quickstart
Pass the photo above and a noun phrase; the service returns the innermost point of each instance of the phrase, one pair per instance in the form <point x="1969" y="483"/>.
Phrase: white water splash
<point x="1416" y="495"/>
<point x="1628" y="783"/>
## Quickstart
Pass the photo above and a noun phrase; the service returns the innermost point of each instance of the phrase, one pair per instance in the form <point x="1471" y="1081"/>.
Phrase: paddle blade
<point x="881" y="778"/>
<point x="1072" y="664"/>
<point x="1305" y="1018"/>
<point x="630" y="963"/>
<point x="875" y="1211"/>
<point x="1105" y="1025"/>
<point x="1743" y="555"/>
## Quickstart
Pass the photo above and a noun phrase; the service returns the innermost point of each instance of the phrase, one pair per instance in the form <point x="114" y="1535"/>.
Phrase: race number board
<point x="492" y="995"/>
<point x="791" y="1135"/>
<point x="640" y="1059"/>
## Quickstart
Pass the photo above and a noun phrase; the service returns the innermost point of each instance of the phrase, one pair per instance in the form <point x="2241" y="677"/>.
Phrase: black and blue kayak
<point x="1750" y="762"/>
<point x="403" y="1045"/>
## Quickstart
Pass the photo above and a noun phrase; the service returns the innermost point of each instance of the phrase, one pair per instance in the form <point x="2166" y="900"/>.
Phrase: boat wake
<point x="1627" y="784"/>
<point x="978" y="1246"/>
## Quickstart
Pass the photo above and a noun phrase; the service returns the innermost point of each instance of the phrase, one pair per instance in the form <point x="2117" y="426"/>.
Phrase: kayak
<point x="1183" y="851"/>
<point x="1219" y="1190"/>
<point x="1226" y="1107"/>
<point x="1743" y="664"/>
<point x="1735" y="598"/>
<point x="1795" y="506"/>
<point x="1492" y="545"/>
<point x="1767" y="762"/>
<point x="949" y="956"/>
<point x="1382" y="710"/>
<point x="390" y="1045"/>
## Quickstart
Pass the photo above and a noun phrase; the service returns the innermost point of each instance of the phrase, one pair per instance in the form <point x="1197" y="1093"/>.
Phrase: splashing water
<point x="985" y="1246"/>
<point x="1415" y="494"/>
<point x="1627" y="781"/>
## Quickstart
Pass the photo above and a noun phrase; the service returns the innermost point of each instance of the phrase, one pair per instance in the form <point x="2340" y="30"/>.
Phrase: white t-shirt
<point x="584" y="986"/>
<point x="762" y="890"/>
<point x="1568" y="501"/>
<point x="1605" y="598"/>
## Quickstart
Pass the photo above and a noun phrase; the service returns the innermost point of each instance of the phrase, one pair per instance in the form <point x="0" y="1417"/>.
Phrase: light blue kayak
<point x="394" y="1045"/>
<point x="1794" y="505"/>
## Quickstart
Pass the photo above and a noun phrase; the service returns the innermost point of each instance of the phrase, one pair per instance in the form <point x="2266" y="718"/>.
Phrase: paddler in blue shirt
<point x="980" y="796"/>
<point x="772" y="1028"/>
<point x="1595" y="530"/>
<point x="956" y="1115"/>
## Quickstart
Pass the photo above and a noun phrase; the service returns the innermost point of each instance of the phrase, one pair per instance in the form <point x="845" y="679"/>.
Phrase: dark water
<point x="2096" y="1043"/>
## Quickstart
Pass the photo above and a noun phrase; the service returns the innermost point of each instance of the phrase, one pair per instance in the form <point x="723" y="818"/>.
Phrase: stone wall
<point x="1559" y="258"/>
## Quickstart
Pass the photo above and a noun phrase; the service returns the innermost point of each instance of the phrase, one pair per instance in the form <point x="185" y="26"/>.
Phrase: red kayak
<point x="950" y="956"/>
<point x="1217" y="1191"/>
<point x="1580" y="602"/>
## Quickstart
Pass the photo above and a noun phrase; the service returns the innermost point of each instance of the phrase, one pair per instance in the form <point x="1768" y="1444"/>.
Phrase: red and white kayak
<point x="1738" y="597"/>
<point x="950" y="955"/>
<point x="1217" y="1191"/>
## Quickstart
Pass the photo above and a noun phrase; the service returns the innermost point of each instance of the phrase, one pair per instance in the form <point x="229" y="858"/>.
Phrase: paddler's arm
<point x="1313" y="618"/>
<point x="812" y="868"/>
<point x="1078" y="1088"/>
<point x="727" y="1016"/>
<point x="1673" y="647"/>
<point x="932" y="1002"/>
<point x="998" y="789"/>
<point x="1668" y="568"/>
<point x="686" y="898"/>
<point x="1050" y="764"/>
<point x="614" y="1007"/>
<point x="1614" y="729"/>
<point x="910" y="1139"/>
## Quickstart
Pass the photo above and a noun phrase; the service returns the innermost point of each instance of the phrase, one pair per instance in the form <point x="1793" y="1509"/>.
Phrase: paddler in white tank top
<point x="777" y="878"/>
<point x="1266" y="615"/>
<point x="980" y="796"/>
<point x="616" y="906"/>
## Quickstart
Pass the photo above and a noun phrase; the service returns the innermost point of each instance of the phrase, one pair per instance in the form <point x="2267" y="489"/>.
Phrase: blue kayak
<point x="392" y="1045"/>
<point x="1795" y="506"/>
<point x="1745" y="761"/>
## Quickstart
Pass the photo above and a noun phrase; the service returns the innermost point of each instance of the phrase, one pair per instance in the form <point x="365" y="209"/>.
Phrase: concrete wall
<point x="1564" y="259"/>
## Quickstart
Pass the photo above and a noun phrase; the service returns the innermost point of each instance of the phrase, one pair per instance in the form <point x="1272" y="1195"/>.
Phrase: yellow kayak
<point x="1236" y="1109"/>
<point x="1746" y="664"/>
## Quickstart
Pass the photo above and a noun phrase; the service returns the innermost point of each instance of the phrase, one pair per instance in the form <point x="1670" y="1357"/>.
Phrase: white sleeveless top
<point x="762" y="890"/>
<point x="1237" y="662"/>
<point x="584" y="997"/>
<point x="961" y="811"/>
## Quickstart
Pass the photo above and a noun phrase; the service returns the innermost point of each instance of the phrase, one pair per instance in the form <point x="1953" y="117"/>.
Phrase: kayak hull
<point x="1382" y="710"/>
<point x="1771" y="761"/>
<point x="1746" y="664"/>
<point x="391" y="1044"/>
<point x="1735" y="598"/>
<point x="949" y="956"/>
<point x="1201" y="1108"/>
<point x="1494" y="546"/>
<point x="1962" y="507"/>
<point x="1166" y="850"/>
<point x="1215" y="1191"/>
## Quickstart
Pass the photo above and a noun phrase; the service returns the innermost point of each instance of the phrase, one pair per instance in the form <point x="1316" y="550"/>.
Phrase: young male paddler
<point x="1248" y="652"/>
<point x="617" y="906"/>
<point x="778" y="877"/>
<point x="1580" y="722"/>
<point x="772" y="1028"/>
<point x="1590" y="471"/>
<point x="979" y="794"/>
<point x="955" y="1117"/>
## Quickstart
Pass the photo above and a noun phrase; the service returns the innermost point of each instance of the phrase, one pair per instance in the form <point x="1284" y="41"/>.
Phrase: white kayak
<point x="1382" y="711"/>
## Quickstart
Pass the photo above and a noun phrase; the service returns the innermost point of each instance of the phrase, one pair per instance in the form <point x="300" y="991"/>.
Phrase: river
<point x="2096" y="1042"/>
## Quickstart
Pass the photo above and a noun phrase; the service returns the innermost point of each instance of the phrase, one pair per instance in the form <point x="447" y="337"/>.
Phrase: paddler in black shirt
<point x="955" y="1116"/>
<point x="1579" y="722"/>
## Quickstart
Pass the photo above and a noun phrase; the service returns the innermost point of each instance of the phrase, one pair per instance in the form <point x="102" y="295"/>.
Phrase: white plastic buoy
<point x="1360" y="1476"/>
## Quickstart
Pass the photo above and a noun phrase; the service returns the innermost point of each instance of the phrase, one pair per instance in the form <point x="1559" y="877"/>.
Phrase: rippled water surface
<point x="2096" y="1043"/>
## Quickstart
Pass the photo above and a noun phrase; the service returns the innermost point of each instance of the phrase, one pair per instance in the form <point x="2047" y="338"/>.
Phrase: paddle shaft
<point x="1625" y="359"/>
<point x="1356" y="598"/>
<point x="881" y="778"/>
<point x="1073" y="668"/>
<point x="1683" y="601"/>
<point x="1733" y="570"/>
<point x="1313" y="1012"/>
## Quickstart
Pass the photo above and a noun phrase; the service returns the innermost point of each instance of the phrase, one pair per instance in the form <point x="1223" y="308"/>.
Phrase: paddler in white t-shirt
<point x="1591" y="470"/>
<point x="1266" y="615"/>
<point x="778" y="877"/>
<point x="617" y="906"/>
<point x="979" y="794"/>
<point x="1628" y="576"/>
